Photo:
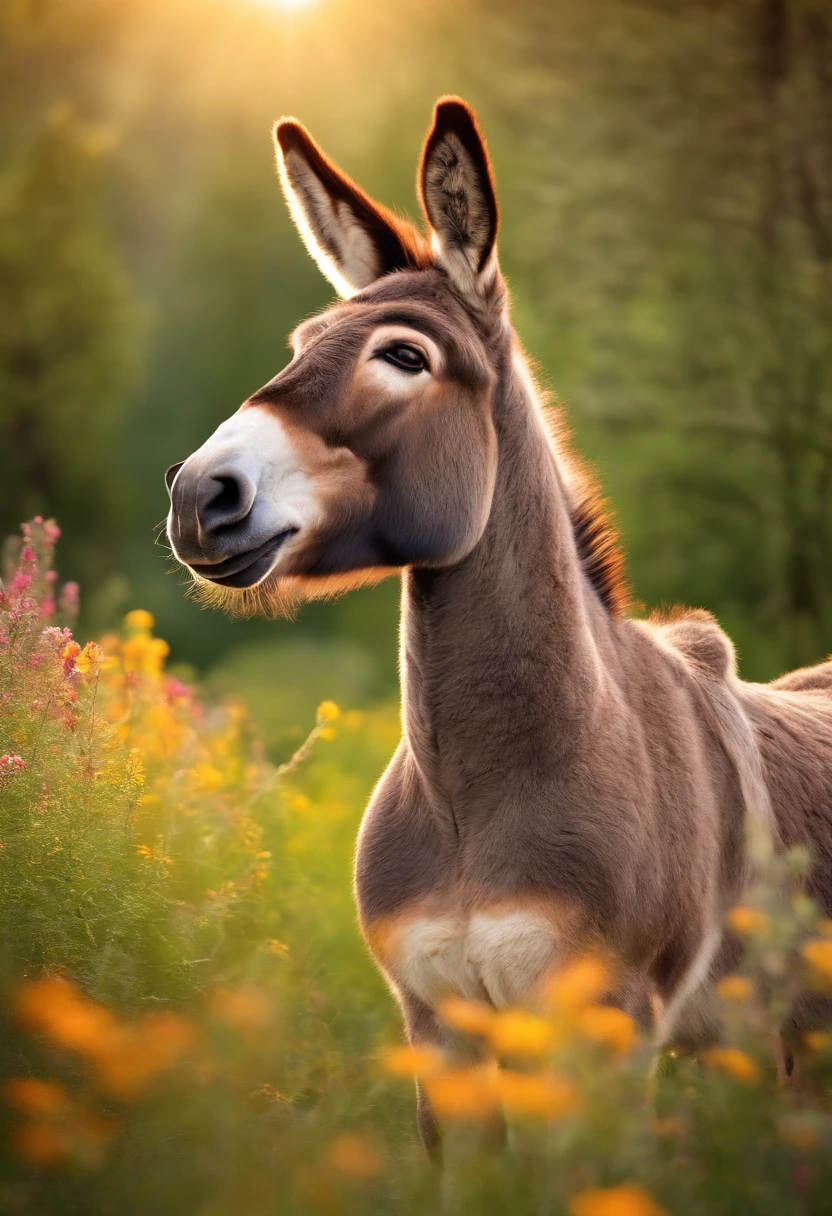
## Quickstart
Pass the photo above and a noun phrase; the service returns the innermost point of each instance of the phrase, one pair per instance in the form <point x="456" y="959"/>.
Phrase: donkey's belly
<point x="495" y="957"/>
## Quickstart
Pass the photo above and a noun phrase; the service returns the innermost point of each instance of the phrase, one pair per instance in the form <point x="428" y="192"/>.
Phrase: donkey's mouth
<point x="244" y="569"/>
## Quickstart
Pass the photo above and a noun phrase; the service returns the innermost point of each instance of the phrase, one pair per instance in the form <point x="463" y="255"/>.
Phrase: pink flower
<point x="28" y="554"/>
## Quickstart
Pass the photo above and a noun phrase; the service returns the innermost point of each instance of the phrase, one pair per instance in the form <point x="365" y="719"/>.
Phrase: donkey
<point x="569" y="777"/>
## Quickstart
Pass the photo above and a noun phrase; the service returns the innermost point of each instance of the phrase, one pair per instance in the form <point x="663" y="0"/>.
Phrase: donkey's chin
<point x="244" y="570"/>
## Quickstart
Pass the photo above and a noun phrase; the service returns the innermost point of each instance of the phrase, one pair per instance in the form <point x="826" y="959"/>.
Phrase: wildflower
<point x="278" y="948"/>
<point x="300" y="802"/>
<point x="610" y="1026"/>
<point x="629" y="1199"/>
<point x="90" y="658"/>
<point x="244" y="1008"/>
<point x="799" y="1129"/>
<point x="517" y="1033"/>
<point x="577" y="985"/>
<point x="463" y="1093"/>
<point x="418" y="1061"/>
<point x="818" y="1040"/>
<point x="543" y="1096"/>
<point x="68" y="600"/>
<point x="41" y="1144"/>
<point x="468" y="1016"/>
<point x="748" y="921"/>
<point x="328" y="711"/>
<point x="818" y="954"/>
<point x="735" y="988"/>
<point x="354" y="1156"/>
<point x="734" y="1062"/>
<point x="69" y="655"/>
<point x="140" y="619"/>
<point x="36" y="1097"/>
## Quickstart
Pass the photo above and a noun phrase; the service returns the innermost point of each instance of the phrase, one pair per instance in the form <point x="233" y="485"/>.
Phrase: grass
<point x="192" y="1023"/>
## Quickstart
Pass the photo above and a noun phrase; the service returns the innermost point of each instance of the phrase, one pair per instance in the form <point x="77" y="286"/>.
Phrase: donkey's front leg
<point x="425" y="1030"/>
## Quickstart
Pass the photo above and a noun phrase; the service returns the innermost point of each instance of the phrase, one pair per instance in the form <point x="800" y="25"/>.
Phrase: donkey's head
<point x="375" y="448"/>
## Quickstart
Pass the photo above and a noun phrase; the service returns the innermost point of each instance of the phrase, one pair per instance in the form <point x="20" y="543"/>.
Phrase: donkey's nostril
<point x="224" y="499"/>
<point x="227" y="497"/>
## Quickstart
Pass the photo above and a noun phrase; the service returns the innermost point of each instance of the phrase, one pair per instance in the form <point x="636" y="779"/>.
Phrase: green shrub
<point x="193" y="1025"/>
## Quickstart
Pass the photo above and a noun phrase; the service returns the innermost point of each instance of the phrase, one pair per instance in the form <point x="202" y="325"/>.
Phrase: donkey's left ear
<point x="456" y="188"/>
<point x="354" y="239"/>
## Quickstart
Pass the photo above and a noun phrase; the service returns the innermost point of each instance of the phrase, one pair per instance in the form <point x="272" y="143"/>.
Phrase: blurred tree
<point x="67" y="333"/>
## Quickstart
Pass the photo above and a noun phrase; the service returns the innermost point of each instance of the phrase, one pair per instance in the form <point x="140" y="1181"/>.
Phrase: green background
<point x="665" y="178"/>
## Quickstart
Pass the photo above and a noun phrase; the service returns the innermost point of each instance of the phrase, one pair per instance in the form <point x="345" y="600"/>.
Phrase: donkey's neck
<point x="500" y="662"/>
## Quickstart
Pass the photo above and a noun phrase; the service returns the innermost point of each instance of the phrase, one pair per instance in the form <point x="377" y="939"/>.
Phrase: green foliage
<point x="192" y="1023"/>
<point x="667" y="209"/>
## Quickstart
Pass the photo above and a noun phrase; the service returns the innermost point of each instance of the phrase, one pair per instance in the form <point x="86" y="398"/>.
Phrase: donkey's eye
<point x="407" y="358"/>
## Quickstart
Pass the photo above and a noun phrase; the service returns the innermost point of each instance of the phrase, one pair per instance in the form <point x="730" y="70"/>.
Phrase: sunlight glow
<point x="286" y="6"/>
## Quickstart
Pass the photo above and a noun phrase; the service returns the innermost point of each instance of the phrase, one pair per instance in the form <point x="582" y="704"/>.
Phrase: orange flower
<point x="355" y="1157"/>
<point x="610" y="1026"/>
<point x="41" y="1144"/>
<point x="543" y="1096"/>
<point x="748" y="921"/>
<point x="518" y="1033"/>
<point x="629" y="1199"/>
<point x="734" y="1062"/>
<point x="37" y="1097"/>
<point x="818" y="954"/>
<point x="419" y="1061"/>
<point x="463" y="1093"/>
<point x="735" y="988"/>
<point x="577" y="985"/>
<point x="244" y="1008"/>
<point x="468" y="1016"/>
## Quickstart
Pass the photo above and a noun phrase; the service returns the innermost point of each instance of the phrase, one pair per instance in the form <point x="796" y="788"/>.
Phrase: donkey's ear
<point x="456" y="187"/>
<point x="353" y="239"/>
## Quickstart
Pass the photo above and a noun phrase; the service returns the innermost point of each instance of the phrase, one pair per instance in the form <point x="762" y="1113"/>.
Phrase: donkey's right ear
<point x="353" y="239"/>
<point x="456" y="187"/>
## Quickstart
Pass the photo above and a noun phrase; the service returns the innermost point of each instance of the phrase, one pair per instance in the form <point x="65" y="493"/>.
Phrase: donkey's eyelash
<point x="405" y="357"/>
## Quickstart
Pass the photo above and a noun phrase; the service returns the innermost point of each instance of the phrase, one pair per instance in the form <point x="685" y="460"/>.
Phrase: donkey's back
<point x="792" y="721"/>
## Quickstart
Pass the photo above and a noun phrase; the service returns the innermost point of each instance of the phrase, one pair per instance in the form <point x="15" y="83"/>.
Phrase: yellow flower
<point x="735" y="988"/>
<point x="90" y="658"/>
<point x="300" y="802"/>
<point x="518" y="1033"/>
<point x="543" y="1096"/>
<point x="610" y="1026"/>
<point x="419" y="1061"/>
<point x="328" y="711"/>
<point x="327" y="733"/>
<point x="818" y="1040"/>
<point x="468" y="1016"/>
<point x="818" y="954"/>
<point x="629" y="1199"/>
<point x="207" y="777"/>
<point x="463" y="1093"/>
<point x="140" y="619"/>
<point x="799" y="1130"/>
<point x="355" y="1157"/>
<point x="734" y="1062"/>
<point x="748" y="921"/>
<point x="577" y="985"/>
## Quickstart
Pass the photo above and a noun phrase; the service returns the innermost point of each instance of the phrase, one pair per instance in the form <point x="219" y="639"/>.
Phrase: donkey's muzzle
<point x="209" y="515"/>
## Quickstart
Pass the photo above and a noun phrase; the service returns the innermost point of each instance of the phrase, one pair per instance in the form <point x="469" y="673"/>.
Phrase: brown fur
<point x="555" y="754"/>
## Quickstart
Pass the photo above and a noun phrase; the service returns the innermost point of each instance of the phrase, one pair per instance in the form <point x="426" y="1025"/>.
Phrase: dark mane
<point x="599" y="549"/>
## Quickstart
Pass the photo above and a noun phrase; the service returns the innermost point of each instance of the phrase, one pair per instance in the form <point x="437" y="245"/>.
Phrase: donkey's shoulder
<point x="807" y="679"/>
<point x="696" y="636"/>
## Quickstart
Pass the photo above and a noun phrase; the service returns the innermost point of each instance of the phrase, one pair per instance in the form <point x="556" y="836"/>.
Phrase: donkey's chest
<point x="497" y="957"/>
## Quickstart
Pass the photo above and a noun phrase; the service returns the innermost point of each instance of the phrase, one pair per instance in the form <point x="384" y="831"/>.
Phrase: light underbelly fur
<point x="495" y="957"/>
